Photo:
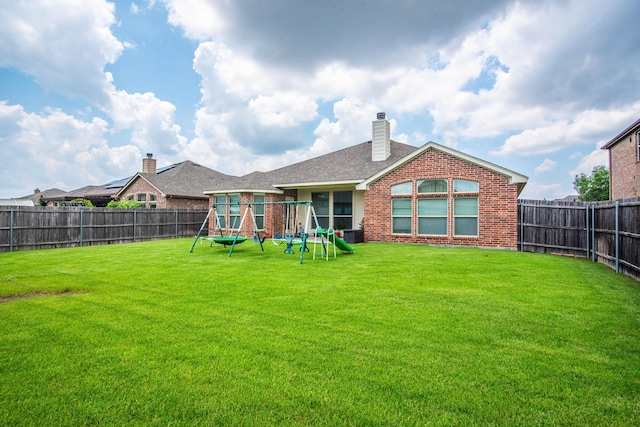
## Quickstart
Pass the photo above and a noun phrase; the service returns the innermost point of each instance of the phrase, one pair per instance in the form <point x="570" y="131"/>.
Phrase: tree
<point x="123" y="204"/>
<point x="593" y="187"/>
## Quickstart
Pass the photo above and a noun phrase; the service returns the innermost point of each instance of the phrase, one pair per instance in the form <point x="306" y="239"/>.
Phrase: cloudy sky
<point x="87" y="87"/>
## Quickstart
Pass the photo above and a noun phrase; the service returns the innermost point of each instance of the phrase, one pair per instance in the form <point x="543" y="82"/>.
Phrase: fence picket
<point x="25" y="228"/>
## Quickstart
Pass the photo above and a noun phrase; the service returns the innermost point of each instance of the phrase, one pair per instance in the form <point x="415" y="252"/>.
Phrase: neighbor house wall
<point x="624" y="168"/>
<point x="497" y="203"/>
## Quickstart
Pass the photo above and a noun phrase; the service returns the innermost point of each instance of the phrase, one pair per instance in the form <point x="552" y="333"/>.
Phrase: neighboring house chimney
<point x="149" y="164"/>
<point x="381" y="142"/>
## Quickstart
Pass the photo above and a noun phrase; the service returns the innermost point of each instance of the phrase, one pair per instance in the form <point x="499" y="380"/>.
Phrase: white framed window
<point x="234" y="211"/>
<point x="321" y="206"/>
<point x="464" y="186"/>
<point x="221" y="210"/>
<point x="401" y="214"/>
<point x="403" y="189"/>
<point x="258" y="210"/>
<point x="465" y="216"/>
<point x="433" y="216"/>
<point x="433" y="186"/>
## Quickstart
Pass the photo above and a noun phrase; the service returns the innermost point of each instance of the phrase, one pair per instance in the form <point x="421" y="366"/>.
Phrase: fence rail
<point x="605" y="232"/>
<point x="25" y="228"/>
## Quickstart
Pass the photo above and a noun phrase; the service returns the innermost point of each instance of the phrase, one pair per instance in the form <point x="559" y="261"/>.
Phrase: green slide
<point x="340" y="244"/>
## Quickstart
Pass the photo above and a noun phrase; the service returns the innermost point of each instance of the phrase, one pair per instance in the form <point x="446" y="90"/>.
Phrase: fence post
<point x="521" y="226"/>
<point x="81" y="226"/>
<point x="134" y="225"/>
<point x="593" y="233"/>
<point x="617" y="237"/>
<point x="176" y="223"/>
<point x="11" y="231"/>
<point x="587" y="230"/>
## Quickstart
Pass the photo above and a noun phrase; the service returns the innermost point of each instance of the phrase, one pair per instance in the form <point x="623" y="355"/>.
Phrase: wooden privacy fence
<point x="605" y="232"/>
<point x="23" y="228"/>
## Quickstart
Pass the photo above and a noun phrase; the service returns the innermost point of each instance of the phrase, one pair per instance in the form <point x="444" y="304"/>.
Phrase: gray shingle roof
<point x="186" y="179"/>
<point x="351" y="164"/>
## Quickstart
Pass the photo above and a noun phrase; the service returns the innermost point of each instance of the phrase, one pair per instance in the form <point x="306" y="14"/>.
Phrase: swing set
<point x="290" y="237"/>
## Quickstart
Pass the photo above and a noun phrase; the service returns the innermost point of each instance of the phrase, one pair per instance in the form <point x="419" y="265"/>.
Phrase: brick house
<point x="178" y="186"/>
<point x="624" y="163"/>
<point x="396" y="192"/>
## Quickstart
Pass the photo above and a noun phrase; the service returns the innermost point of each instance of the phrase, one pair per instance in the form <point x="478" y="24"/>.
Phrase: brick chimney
<point x="149" y="164"/>
<point x="381" y="141"/>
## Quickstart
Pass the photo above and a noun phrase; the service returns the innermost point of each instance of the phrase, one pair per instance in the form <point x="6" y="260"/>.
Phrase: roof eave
<point x="317" y="184"/>
<point x="243" y="190"/>
<point x="619" y="136"/>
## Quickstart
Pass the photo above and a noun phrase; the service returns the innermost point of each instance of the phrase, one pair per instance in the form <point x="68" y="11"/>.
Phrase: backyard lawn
<point x="150" y="334"/>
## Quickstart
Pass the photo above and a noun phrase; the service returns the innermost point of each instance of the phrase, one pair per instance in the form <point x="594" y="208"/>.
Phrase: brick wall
<point x="498" y="203"/>
<point x="624" y="168"/>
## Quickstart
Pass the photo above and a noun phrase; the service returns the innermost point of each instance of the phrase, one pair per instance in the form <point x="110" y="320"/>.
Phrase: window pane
<point x="258" y="209"/>
<point x="221" y="204"/>
<point x="320" y="203"/>
<point x="464" y="186"/>
<point x="402" y="225"/>
<point x="404" y="188"/>
<point x="432" y="186"/>
<point x="465" y="206"/>
<point x="342" y="202"/>
<point x="466" y="226"/>
<point x="260" y="222"/>
<point x="401" y="207"/>
<point x="432" y="226"/>
<point x="432" y="207"/>
<point x="142" y="197"/>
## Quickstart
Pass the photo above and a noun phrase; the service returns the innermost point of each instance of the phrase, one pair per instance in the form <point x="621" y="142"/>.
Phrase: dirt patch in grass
<point x="34" y="294"/>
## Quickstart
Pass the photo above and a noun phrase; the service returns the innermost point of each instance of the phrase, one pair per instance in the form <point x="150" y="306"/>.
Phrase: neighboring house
<point x="179" y="186"/>
<point x="396" y="192"/>
<point x="39" y="198"/>
<point x="624" y="163"/>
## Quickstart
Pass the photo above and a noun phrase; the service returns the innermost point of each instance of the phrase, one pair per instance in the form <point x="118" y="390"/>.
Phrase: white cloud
<point x="283" y="109"/>
<point x="199" y="19"/>
<point x="587" y="127"/>
<point x="151" y="119"/>
<point x="597" y="157"/>
<point x="57" y="148"/>
<point x="64" y="45"/>
<point x="546" y="166"/>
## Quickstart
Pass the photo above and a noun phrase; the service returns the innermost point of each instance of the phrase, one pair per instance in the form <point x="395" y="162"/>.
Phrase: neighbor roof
<point x="621" y="135"/>
<point x="185" y="179"/>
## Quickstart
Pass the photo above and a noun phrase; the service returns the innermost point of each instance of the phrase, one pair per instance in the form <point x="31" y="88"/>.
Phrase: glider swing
<point x="233" y="238"/>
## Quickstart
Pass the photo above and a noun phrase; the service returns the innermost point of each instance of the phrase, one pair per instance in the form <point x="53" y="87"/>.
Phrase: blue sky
<point x="88" y="88"/>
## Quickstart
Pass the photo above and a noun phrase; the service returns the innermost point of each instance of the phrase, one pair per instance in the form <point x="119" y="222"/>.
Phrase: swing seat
<point x="228" y="240"/>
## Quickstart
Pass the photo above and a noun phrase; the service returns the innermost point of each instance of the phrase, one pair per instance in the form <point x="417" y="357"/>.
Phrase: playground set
<point x="292" y="235"/>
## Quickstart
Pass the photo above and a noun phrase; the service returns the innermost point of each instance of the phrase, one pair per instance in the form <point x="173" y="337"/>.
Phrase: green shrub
<point x="123" y="204"/>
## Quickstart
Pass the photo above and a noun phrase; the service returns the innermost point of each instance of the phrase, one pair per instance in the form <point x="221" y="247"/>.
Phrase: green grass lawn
<point x="150" y="334"/>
